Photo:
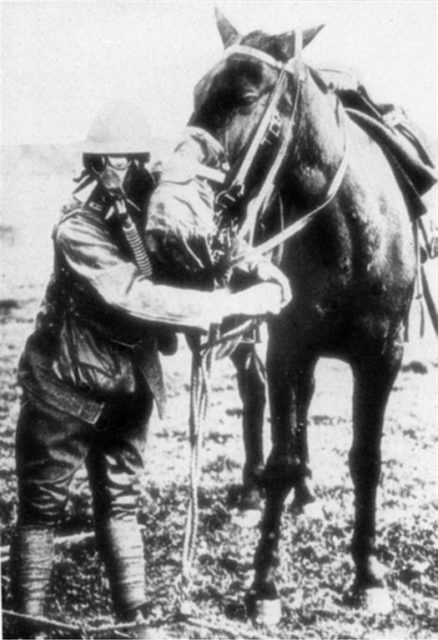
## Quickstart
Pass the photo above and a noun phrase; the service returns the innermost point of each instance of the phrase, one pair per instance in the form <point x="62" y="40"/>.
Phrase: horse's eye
<point x="248" y="99"/>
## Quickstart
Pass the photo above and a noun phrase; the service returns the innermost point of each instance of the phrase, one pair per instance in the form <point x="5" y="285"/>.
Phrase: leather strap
<point x="303" y="222"/>
<point x="246" y="51"/>
<point x="215" y="175"/>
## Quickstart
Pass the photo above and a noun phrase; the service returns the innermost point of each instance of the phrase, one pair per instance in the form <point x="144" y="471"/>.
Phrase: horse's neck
<point x="320" y="141"/>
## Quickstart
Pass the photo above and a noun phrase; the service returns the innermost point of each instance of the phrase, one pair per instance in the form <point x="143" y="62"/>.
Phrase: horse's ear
<point x="287" y="40"/>
<point x="309" y="34"/>
<point x="227" y="32"/>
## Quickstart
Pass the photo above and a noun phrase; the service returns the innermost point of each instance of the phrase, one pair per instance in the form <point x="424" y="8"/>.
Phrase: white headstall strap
<point x="244" y="50"/>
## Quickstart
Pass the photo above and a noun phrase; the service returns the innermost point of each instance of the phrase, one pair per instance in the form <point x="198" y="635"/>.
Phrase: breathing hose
<point x="134" y="240"/>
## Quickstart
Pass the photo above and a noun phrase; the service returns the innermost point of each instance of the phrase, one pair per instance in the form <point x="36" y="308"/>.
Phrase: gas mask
<point x="122" y="177"/>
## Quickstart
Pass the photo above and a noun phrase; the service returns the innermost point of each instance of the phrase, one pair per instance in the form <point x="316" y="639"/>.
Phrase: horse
<point x="351" y="264"/>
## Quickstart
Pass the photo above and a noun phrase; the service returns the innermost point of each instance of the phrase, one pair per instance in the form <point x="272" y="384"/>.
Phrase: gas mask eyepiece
<point x="112" y="171"/>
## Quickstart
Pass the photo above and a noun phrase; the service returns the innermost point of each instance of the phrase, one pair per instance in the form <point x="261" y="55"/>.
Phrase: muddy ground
<point x="316" y="569"/>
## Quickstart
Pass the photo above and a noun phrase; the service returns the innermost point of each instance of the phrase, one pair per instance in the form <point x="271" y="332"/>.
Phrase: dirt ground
<point x="316" y="569"/>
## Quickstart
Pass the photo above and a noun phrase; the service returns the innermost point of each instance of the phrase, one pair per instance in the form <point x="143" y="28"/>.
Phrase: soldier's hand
<point x="257" y="301"/>
<point x="268" y="272"/>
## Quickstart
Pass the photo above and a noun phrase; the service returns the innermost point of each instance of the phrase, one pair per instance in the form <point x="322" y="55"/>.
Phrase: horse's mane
<point x="319" y="80"/>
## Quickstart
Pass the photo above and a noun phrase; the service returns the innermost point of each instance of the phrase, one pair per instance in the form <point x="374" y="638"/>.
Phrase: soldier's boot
<point x="121" y="547"/>
<point x="31" y="560"/>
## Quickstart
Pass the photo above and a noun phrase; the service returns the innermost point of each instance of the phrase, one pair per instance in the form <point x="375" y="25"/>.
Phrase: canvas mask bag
<point x="181" y="216"/>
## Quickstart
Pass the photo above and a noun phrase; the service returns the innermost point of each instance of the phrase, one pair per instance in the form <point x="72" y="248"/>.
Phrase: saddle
<point x="391" y="128"/>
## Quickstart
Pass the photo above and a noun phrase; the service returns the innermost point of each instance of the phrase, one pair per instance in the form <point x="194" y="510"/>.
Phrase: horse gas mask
<point x="182" y="226"/>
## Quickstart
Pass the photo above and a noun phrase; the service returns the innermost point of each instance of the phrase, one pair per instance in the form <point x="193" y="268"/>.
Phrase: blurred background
<point x="62" y="60"/>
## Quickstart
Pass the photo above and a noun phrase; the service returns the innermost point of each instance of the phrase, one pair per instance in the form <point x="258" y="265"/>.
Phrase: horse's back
<point x="379" y="214"/>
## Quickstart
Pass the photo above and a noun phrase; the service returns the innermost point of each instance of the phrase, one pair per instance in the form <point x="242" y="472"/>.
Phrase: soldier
<point x="90" y="371"/>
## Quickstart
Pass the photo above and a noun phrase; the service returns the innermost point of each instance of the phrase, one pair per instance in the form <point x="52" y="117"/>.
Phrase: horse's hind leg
<point x="252" y="391"/>
<point x="373" y="380"/>
<point x="305" y="387"/>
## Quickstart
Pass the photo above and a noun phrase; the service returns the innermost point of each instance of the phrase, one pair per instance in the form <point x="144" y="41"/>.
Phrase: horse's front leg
<point x="373" y="379"/>
<point x="291" y="386"/>
<point x="262" y="600"/>
<point x="287" y="467"/>
<point x="252" y="391"/>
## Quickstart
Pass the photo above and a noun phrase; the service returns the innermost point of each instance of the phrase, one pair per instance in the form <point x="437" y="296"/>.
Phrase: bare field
<point x="316" y="569"/>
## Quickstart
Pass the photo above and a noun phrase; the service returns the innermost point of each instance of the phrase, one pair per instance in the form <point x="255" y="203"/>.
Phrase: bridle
<point x="271" y="126"/>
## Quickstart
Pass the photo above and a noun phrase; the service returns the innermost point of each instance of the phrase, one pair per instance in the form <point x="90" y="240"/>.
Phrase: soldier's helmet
<point x="119" y="128"/>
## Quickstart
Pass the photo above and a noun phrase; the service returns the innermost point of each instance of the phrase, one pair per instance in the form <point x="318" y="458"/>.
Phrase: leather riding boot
<point x="31" y="565"/>
<point x="121" y="547"/>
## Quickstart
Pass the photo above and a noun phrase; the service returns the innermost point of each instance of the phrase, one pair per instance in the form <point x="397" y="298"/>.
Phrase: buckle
<point x="275" y="124"/>
<point x="227" y="200"/>
<point x="274" y="129"/>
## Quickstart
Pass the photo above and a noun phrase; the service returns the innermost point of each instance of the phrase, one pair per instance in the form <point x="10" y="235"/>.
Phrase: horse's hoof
<point x="149" y="633"/>
<point x="248" y="519"/>
<point x="304" y="499"/>
<point x="377" y="601"/>
<point x="185" y="609"/>
<point x="266" y="612"/>
<point x="373" y="601"/>
<point x="244" y="498"/>
<point x="311" y="510"/>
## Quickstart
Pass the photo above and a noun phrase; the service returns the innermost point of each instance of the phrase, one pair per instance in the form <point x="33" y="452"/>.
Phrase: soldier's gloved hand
<point x="265" y="271"/>
<point x="260" y="300"/>
<point x="266" y="298"/>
